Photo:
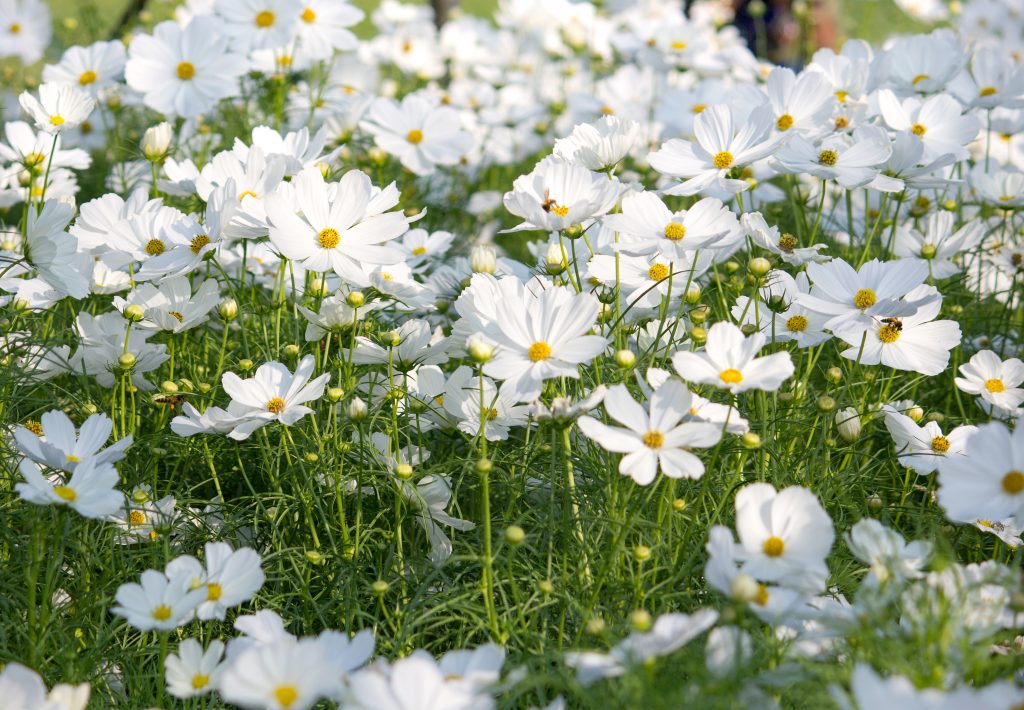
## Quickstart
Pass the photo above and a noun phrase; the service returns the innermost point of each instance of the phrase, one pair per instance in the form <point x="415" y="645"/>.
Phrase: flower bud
<point x="759" y="266"/>
<point x="134" y="313"/>
<point x="357" y="409"/>
<point x="480" y="349"/>
<point x="556" y="260"/>
<point x="545" y="587"/>
<point x="245" y="364"/>
<point x="700" y="313"/>
<point x="937" y="417"/>
<point x="356" y="299"/>
<point x="334" y="394"/>
<point x="625" y="359"/>
<point x="228" y="309"/>
<point x="916" y="413"/>
<point x="825" y="403"/>
<point x="156" y="141"/>
<point x="168" y="387"/>
<point x="483" y="259"/>
<point x="848" y="423"/>
<point x="748" y="329"/>
<point x="126" y="361"/>
<point x="928" y="251"/>
<point x="291" y="350"/>
<point x="693" y="294"/>
<point x="744" y="588"/>
<point x="311" y="457"/>
<point x="750" y="440"/>
<point x="403" y="471"/>
<point x="640" y="619"/>
<point x="698" y="334"/>
<point x="679" y="505"/>
<point x="595" y="626"/>
<point x="380" y="587"/>
<point x="484" y="466"/>
<point x="319" y="287"/>
<point x="641" y="553"/>
<point x="834" y="375"/>
<point x="515" y="535"/>
<point x="875" y="502"/>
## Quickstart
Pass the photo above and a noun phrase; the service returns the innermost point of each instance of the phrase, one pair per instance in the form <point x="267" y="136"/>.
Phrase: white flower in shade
<point x="415" y="343"/>
<point x="420" y="245"/>
<point x="987" y="482"/>
<point x="431" y="495"/>
<point x="887" y="554"/>
<point x="993" y="79"/>
<point x="669" y="633"/>
<point x="157" y="602"/>
<point x="60" y="447"/>
<point x="184" y="71"/>
<point x="654" y="439"/>
<point x="415" y="682"/>
<point x="723" y="144"/>
<point x="785" y="246"/>
<point x="171" y="306"/>
<point x="324" y="27"/>
<point x="852" y="161"/>
<point x="728" y="650"/>
<point x="258" y="24"/>
<point x="729" y="360"/>
<point x="280" y="675"/>
<point x="557" y="195"/>
<point x="923" y="447"/>
<point x="541" y="338"/>
<point x="334" y="316"/>
<point x="859" y="299"/>
<point x="91" y="68"/>
<point x="922" y="63"/>
<point x="102" y="341"/>
<point x="298" y="149"/>
<point x="800" y="103"/>
<point x="212" y="420"/>
<point x="648" y="225"/>
<point x="59" y="107"/>
<point x="420" y="133"/>
<point x="778" y="315"/>
<point x="936" y="121"/>
<point x="599" y="145"/>
<point x="274" y="394"/>
<point x="230" y="577"/>
<point x="995" y="381"/>
<point x="53" y="252"/>
<point x="477" y="668"/>
<point x="342" y="225"/>
<point x="647" y="280"/>
<point x="89" y="492"/>
<point x="23" y="689"/>
<point x="785" y="536"/>
<point x="464" y="401"/>
<point x="1000" y="186"/>
<point x="937" y="242"/>
<point x="26" y="29"/>
<point x="193" y="671"/>
<point x="915" y="343"/>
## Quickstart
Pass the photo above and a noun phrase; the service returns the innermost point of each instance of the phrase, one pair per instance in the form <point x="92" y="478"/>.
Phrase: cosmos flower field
<point x="572" y="357"/>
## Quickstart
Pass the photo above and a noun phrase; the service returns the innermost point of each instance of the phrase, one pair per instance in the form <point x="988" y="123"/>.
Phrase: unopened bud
<point x="693" y="294"/>
<point x="357" y="409"/>
<point x="168" y="387"/>
<point x="641" y="553"/>
<point x="698" y="334"/>
<point x="744" y="588"/>
<point x="916" y="413"/>
<point x="380" y="587"/>
<point x="625" y="359"/>
<point x="334" y="394"/>
<point x="759" y="266"/>
<point x="875" y="502"/>
<point x="291" y="350"/>
<point x="750" y="440"/>
<point x="403" y="471"/>
<point x="928" y="251"/>
<point x="834" y="375"/>
<point x="848" y="423"/>
<point x="245" y="364"/>
<point x="556" y="260"/>
<point x="825" y="403"/>
<point x="515" y="535"/>
<point x="134" y="313"/>
<point x="640" y="619"/>
<point x="126" y="361"/>
<point x="228" y="309"/>
<point x="483" y="259"/>
<point x="156" y="141"/>
<point x="484" y="466"/>
<point x="356" y="299"/>
<point x="545" y="587"/>
<point x="479" y="348"/>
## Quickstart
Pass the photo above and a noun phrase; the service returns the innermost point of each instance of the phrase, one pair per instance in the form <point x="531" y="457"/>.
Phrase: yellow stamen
<point x="828" y="157"/>
<point x="265" y="19"/>
<point x="1013" y="482"/>
<point x="653" y="439"/>
<point x="889" y="333"/>
<point x="785" y="122"/>
<point x="162" y="613"/>
<point x="186" y="70"/>
<point x="200" y="681"/>
<point x="723" y="160"/>
<point x="674" y="231"/>
<point x="308" y="15"/>
<point x="419" y="251"/>
<point x="657" y="272"/>
<point x="539" y="351"/>
<point x="286" y="695"/>
<point x="136" y="517"/>
<point x="787" y="243"/>
<point x="198" y="242"/>
<point x="864" y="298"/>
<point x="213" y="591"/>
<point x="328" y="238"/>
<point x="65" y="493"/>
<point x="57" y="120"/>
<point x="940" y="444"/>
<point x="177" y="315"/>
<point x="415" y="136"/>
<point x="87" y="77"/>
<point x="731" y="376"/>
<point x="774" y="546"/>
<point x="796" y="324"/>
<point x="275" y="405"/>
<point x="995" y="386"/>
<point x="988" y="91"/>
<point x="919" y="78"/>
<point x="155" y="247"/>
<point x="918" y="129"/>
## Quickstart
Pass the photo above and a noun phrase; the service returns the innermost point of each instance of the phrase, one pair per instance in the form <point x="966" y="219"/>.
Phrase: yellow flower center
<point x="988" y="91"/>
<point x="889" y="333"/>
<point x="286" y="695"/>
<point x="657" y="272"/>
<point x="328" y="238"/>
<point x="723" y="160"/>
<point x="71" y="458"/>
<point x="491" y="414"/>
<point x="186" y="70"/>
<point x="200" y="681"/>
<point x="162" y="613"/>
<point x="864" y="298"/>
<point x="57" y="120"/>
<point x="1013" y="482"/>
<point x="828" y="157"/>
<point x="265" y="19"/>
<point x="842" y="96"/>
<point x="762" y="595"/>
<point x="653" y="439"/>
<point x="731" y="376"/>
<point x="919" y="78"/>
<point x="919" y="129"/>
<point x="198" y="242"/>
<point x="136" y="517"/>
<point x="213" y="591"/>
<point x="415" y="136"/>
<point x="678" y="46"/>
<point x="796" y="324"/>
<point x="177" y="315"/>
<point x="774" y="546"/>
<point x="87" y="77"/>
<point x="419" y="251"/>
<point x="940" y="444"/>
<point x="699" y="108"/>
<point x="787" y="243"/>
<point x="560" y="210"/>
<point x="275" y="405"/>
<point x="15" y="28"/>
<point x="154" y="247"/>
<point x="34" y="426"/>
<point x="65" y="493"/>
<point x="995" y="385"/>
<point x="842" y="122"/>
<point x="607" y="110"/>
<point x="247" y="193"/>
<point x="539" y="351"/>
<point x="308" y="15"/>
<point x="674" y="231"/>
<point x="785" y="122"/>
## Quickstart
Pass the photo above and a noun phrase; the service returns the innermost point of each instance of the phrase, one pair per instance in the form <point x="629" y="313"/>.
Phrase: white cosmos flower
<point x="936" y="121"/>
<point x="23" y="689"/>
<point x="997" y="382"/>
<point x="557" y="195"/>
<point x="416" y="344"/>
<point x="800" y="103"/>
<point x="915" y="343"/>
<point x="723" y="143"/>
<point x="648" y="225"/>
<point x="92" y="68"/>
<point x="921" y="63"/>
<point x="729" y="360"/>
<point x="852" y="161"/>
<point x="184" y="71"/>
<point x="654" y="439"/>
<point x="887" y="554"/>
<point x="540" y="338"/>
<point x="342" y="225"/>
<point x="421" y="134"/>
<point x="993" y="79"/>
<point x="171" y="306"/>
<point x="258" y="24"/>
<point x="59" y="107"/>
<point x="987" y="482"/>
<point x="103" y="339"/>
<point x="599" y="145"/>
<point x="53" y="251"/>
<point x="415" y="682"/>
<point x="324" y="27"/>
<point x="213" y="420"/>
<point x="785" y="536"/>
<point x="284" y="674"/>
<point x="157" y="602"/>
<point x="777" y="313"/>
<point x="784" y="245"/>
<point x="464" y="401"/>
<point x="937" y="243"/>
<point x="60" y="447"/>
<point x="193" y="671"/>
<point x="89" y="491"/>
<point x="274" y="394"/>
<point x="923" y="447"/>
<point x="431" y="495"/>
<point x="230" y="577"/>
